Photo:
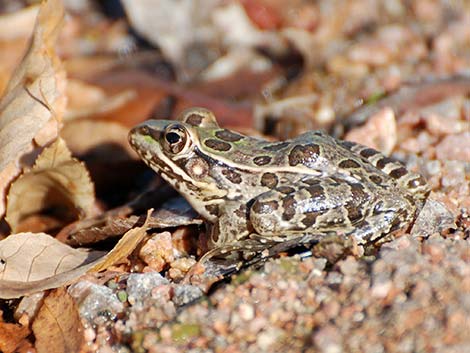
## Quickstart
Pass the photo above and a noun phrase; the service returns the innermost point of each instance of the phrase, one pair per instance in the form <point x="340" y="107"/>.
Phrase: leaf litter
<point x="333" y="302"/>
<point x="55" y="181"/>
<point x="33" y="102"/>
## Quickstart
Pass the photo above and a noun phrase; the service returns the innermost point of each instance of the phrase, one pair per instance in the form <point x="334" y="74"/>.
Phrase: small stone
<point x="454" y="147"/>
<point x="186" y="293"/>
<point x="122" y="296"/>
<point x="89" y="334"/>
<point x="349" y="266"/>
<point x="268" y="338"/>
<point x="334" y="278"/>
<point x="140" y="285"/>
<point x="433" y="218"/>
<point x="328" y="340"/>
<point x="157" y="252"/>
<point x="381" y="289"/>
<point x="95" y="300"/>
<point x="380" y="132"/>
<point x="180" y="267"/>
<point x="247" y="312"/>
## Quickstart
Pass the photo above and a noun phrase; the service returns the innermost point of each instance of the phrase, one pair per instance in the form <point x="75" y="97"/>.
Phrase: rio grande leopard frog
<point x="255" y="194"/>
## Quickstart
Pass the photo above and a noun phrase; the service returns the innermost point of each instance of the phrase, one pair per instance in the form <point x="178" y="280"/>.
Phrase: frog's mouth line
<point x="143" y="144"/>
<point x="178" y="181"/>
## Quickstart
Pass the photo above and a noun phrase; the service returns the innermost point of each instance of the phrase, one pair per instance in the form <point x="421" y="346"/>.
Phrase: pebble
<point x="186" y="293"/>
<point x="95" y="300"/>
<point x="140" y="285"/>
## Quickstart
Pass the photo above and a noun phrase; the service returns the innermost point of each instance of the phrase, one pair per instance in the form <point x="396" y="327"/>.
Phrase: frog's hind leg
<point x="331" y="205"/>
<point x="314" y="206"/>
<point x="409" y="181"/>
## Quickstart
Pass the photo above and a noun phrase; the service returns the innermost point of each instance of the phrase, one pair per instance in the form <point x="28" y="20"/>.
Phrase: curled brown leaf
<point x="34" y="100"/>
<point x="57" y="327"/>
<point x="56" y="180"/>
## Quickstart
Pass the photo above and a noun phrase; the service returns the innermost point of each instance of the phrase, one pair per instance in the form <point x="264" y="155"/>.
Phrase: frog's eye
<point x="175" y="139"/>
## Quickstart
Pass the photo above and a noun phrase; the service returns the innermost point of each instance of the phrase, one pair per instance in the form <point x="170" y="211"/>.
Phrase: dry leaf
<point x="34" y="102"/>
<point x="17" y="28"/>
<point x="172" y="25"/>
<point x="29" y="306"/>
<point x="107" y="139"/>
<point x="11" y="336"/>
<point x="85" y="100"/>
<point x="124" y="247"/>
<point x="56" y="180"/>
<point x="18" y="24"/>
<point x="88" y="67"/>
<point x="32" y="262"/>
<point x="57" y="327"/>
<point x="173" y="213"/>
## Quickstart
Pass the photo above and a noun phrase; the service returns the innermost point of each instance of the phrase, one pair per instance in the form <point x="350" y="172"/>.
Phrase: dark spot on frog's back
<point x="348" y="163"/>
<point x="381" y="163"/>
<point x="311" y="181"/>
<point x="265" y="207"/>
<point x="347" y="144"/>
<point x="218" y="145"/>
<point x="194" y="119"/>
<point x="285" y="190"/>
<point x="261" y="160"/>
<point x="304" y="154"/>
<point x="355" y="206"/>
<point x="416" y="182"/>
<point x="274" y="147"/>
<point x="376" y="179"/>
<point x="228" y="135"/>
<point x="316" y="192"/>
<point x="398" y="173"/>
<point x="368" y="152"/>
<point x="354" y="211"/>
<point x="396" y="224"/>
<point x="232" y="176"/>
<point x="288" y="203"/>
<point x="269" y="180"/>
<point x="310" y="219"/>
<point x="241" y="211"/>
<point x="358" y="192"/>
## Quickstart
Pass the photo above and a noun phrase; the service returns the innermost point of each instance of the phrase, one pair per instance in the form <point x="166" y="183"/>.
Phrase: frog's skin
<point x="255" y="194"/>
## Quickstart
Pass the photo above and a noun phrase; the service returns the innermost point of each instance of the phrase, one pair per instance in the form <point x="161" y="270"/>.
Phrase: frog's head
<point x="172" y="149"/>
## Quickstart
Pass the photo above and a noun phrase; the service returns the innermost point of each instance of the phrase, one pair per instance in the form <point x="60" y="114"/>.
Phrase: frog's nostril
<point x="143" y="130"/>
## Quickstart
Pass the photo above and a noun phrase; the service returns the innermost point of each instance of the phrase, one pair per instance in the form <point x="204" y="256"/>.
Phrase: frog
<point x="255" y="194"/>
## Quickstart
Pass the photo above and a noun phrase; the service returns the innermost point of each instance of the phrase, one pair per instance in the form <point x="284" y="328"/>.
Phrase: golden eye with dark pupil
<point x="175" y="139"/>
<point x="172" y="137"/>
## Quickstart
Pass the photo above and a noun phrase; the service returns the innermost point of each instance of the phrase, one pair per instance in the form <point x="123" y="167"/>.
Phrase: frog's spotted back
<point x="199" y="117"/>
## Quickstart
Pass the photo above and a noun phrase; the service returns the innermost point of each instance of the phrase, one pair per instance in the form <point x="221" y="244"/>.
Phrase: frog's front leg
<point x="231" y="235"/>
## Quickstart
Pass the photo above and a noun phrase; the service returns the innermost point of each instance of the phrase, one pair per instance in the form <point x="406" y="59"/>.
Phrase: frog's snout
<point x="142" y="130"/>
<point x="146" y="130"/>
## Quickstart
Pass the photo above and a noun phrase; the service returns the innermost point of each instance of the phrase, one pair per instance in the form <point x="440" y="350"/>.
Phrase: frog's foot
<point x="257" y="247"/>
<point x="242" y="250"/>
